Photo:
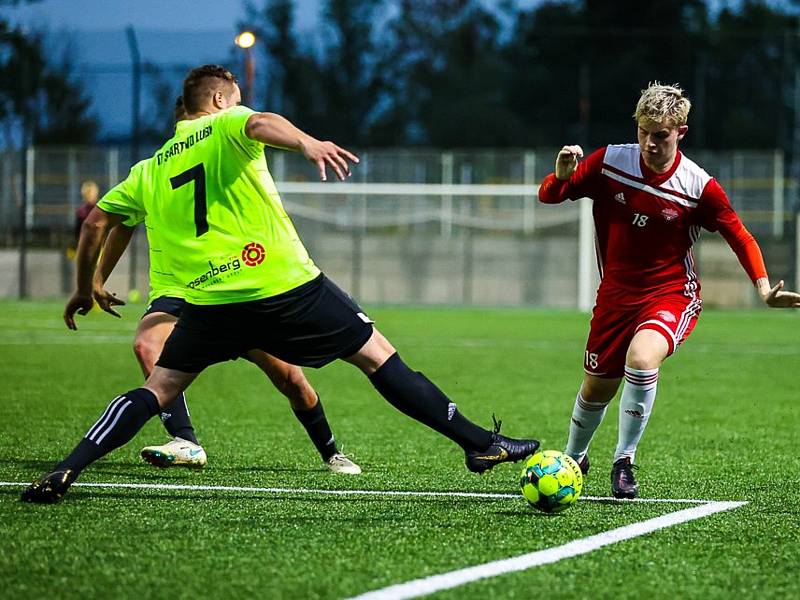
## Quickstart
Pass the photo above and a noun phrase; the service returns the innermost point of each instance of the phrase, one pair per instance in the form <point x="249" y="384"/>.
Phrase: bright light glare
<point x="245" y="39"/>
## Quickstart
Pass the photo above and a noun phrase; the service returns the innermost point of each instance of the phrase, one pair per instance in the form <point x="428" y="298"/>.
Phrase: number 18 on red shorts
<point x="612" y="329"/>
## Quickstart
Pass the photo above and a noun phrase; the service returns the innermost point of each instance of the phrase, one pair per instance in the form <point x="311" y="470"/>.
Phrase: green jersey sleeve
<point x="123" y="199"/>
<point x="233" y="122"/>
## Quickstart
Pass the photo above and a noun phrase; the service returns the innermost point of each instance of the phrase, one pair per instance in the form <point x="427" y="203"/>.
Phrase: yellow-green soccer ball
<point x="551" y="481"/>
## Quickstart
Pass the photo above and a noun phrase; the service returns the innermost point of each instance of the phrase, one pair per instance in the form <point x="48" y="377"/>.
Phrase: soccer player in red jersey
<point x="649" y="203"/>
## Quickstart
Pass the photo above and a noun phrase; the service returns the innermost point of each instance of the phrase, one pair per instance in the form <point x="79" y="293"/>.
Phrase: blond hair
<point x="663" y="102"/>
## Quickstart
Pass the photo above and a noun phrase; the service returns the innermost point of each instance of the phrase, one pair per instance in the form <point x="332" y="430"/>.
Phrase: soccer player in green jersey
<point x="249" y="282"/>
<point x="164" y="307"/>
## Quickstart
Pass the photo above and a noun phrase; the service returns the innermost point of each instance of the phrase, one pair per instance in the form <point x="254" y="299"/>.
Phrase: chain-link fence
<point x="410" y="227"/>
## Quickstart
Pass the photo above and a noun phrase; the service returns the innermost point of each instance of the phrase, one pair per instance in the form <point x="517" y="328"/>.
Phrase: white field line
<point x="273" y="490"/>
<point x="446" y="581"/>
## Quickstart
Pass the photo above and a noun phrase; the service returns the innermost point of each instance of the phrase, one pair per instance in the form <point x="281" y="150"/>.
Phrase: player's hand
<point x="775" y="298"/>
<point x="77" y="304"/>
<point x="328" y="154"/>
<point x="567" y="161"/>
<point x="106" y="300"/>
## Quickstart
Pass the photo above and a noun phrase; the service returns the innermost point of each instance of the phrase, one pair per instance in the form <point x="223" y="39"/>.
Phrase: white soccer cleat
<point x="339" y="463"/>
<point x="177" y="452"/>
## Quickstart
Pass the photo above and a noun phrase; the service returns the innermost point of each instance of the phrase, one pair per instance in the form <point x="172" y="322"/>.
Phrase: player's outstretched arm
<point x="774" y="297"/>
<point x="276" y="131"/>
<point x="117" y="241"/>
<point x="567" y="161"/>
<point x="93" y="232"/>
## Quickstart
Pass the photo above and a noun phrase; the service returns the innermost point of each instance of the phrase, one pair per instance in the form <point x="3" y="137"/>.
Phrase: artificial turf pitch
<point x="724" y="427"/>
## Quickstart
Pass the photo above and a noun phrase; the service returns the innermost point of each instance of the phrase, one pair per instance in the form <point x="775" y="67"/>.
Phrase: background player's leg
<point x="416" y="396"/>
<point x="152" y="332"/>
<point x="121" y="421"/>
<point x="307" y="406"/>
<point x="587" y="414"/>
<point x="646" y="352"/>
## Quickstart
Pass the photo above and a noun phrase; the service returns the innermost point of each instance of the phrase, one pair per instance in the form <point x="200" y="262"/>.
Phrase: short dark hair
<point x="179" y="110"/>
<point x="201" y="82"/>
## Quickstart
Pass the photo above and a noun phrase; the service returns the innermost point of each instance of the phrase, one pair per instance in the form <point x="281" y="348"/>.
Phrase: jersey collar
<point x="652" y="177"/>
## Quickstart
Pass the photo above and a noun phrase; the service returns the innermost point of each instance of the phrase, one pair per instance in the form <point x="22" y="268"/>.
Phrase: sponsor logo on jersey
<point x="667" y="316"/>
<point x="214" y="271"/>
<point x="253" y="254"/>
<point x="669" y="214"/>
<point x="620" y="197"/>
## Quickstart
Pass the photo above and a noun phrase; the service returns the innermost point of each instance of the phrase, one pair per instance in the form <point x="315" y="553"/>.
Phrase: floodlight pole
<point x="136" y="96"/>
<point x="24" y="183"/>
<point x="246" y="40"/>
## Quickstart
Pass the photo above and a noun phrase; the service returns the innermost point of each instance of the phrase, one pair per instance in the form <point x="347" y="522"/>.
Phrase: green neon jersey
<point x="213" y="215"/>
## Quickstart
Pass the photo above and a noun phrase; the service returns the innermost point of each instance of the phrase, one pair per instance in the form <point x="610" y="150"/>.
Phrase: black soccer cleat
<point x="50" y="488"/>
<point x="502" y="449"/>
<point x="623" y="482"/>
<point x="584" y="464"/>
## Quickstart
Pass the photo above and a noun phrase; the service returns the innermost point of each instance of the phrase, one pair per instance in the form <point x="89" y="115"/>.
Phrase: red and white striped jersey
<point x="647" y="222"/>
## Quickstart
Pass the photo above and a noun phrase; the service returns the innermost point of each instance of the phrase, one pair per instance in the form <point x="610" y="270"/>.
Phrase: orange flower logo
<point x="253" y="254"/>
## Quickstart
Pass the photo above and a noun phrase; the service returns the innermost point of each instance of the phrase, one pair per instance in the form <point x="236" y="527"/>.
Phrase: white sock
<point x="635" y="406"/>
<point x="586" y="418"/>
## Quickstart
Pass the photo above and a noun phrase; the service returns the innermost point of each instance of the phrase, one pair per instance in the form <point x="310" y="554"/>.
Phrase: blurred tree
<point x="350" y="86"/>
<point x="444" y="78"/>
<point x="582" y="64"/>
<point x="469" y="73"/>
<point x="290" y="72"/>
<point x="158" y="121"/>
<point x="41" y="93"/>
<point x="751" y="87"/>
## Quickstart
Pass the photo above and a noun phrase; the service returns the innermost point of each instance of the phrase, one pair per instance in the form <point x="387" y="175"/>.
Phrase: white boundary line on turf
<point x="446" y="581"/>
<point x="271" y="490"/>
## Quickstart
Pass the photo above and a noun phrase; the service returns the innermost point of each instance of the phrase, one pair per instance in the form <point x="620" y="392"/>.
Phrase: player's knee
<point x="147" y="352"/>
<point x="644" y="357"/>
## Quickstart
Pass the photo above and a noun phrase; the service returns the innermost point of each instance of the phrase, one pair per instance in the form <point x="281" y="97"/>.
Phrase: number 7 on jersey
<point x="197" y="174"/>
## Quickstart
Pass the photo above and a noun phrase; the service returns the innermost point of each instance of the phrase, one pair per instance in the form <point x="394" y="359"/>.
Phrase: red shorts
<point x="612" y="329"/>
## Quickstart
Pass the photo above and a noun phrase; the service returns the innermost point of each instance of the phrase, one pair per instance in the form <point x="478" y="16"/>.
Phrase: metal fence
<point x="411" y="226"/>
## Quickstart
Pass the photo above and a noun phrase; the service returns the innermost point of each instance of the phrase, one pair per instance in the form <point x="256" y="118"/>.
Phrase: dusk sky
<point x="171" y="15"/>
<point x="173" y="34"/>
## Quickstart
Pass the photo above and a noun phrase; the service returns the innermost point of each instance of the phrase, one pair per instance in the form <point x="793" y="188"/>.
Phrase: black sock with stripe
<point x="318" y="429"/>
<point x="415" y="395"/>
<point x="175" y="417"/>
<point x="122" y="419"/>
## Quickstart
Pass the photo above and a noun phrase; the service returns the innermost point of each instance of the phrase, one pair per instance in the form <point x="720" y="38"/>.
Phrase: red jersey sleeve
<point x="579" y="185"/>
<point x="717" y="214"/>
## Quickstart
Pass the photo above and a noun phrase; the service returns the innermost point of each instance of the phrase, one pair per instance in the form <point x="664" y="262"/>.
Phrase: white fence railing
<point x="409" y="227"/>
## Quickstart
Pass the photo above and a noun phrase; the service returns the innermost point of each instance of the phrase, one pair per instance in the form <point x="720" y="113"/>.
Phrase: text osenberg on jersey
<point x="252" y="255"/>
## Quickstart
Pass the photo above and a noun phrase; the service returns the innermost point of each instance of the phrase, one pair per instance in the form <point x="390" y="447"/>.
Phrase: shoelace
<point x="628" y="468"/>
<point x="497" y="423"/>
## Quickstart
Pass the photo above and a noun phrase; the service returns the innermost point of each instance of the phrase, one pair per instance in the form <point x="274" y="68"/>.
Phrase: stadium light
<point x="245" y="40"/>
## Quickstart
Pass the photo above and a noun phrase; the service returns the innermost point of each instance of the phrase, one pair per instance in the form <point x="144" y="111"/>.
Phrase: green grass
<point x="724" y="428"/>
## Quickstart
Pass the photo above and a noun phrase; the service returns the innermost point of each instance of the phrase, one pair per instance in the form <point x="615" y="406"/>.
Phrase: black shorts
<point x="166" y="304"/>
<point x="310" y="326"/>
